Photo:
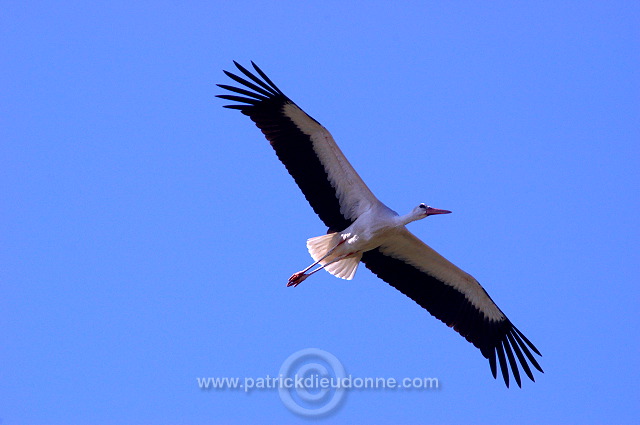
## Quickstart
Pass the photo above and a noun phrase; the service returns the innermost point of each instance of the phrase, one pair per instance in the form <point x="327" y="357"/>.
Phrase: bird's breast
<point x="368" y="232"/>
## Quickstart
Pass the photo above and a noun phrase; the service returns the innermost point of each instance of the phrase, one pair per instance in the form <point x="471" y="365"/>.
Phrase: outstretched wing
<point x="455" y="298"/>
<point x="331" y="185"/>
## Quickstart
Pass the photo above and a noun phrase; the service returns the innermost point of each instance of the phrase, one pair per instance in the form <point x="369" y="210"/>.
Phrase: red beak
<point x="434" y="211"/>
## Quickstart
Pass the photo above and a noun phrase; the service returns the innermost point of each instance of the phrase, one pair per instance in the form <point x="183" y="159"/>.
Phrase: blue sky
<point x="148" y="233"/>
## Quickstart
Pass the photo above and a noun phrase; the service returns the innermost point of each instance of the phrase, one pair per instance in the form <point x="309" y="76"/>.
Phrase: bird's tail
<point x="319" y="247"/>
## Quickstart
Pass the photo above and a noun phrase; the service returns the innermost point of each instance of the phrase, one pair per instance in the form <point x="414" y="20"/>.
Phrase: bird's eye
<point x="423" y="206"/>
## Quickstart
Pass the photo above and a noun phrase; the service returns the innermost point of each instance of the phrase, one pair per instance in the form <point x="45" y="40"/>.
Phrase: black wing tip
<point x="513" y="342"/>
<point x="529" y="343"/>
<point x="258" y="88"/>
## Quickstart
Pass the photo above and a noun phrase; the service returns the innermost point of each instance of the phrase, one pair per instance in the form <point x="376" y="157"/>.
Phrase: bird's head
<point x="422" y="211"/>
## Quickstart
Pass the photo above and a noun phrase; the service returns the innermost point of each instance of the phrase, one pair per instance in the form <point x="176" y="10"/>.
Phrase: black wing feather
<point x="257" y="80"/>
<point x="243" y="91"/>
<point x="512" y="361"/>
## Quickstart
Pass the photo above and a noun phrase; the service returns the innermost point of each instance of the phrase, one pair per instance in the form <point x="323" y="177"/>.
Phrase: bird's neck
<point x="403" y="220"/>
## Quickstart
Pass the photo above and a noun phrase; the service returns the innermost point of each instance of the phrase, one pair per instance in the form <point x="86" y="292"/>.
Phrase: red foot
<point x="296" y="279"/>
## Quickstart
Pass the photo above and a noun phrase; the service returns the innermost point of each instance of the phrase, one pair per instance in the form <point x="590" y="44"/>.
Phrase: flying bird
<point x="363" y="229"/>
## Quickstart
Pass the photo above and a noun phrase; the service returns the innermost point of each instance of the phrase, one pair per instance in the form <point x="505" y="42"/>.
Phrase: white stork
<point x="361" y="228"/>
